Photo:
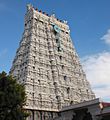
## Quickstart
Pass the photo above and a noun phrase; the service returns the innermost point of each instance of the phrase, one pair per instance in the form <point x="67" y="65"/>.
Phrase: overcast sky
<point x="89" y="22"/>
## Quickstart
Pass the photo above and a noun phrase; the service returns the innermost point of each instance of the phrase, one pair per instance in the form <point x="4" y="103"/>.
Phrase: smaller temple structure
<point x="88" y="110"/>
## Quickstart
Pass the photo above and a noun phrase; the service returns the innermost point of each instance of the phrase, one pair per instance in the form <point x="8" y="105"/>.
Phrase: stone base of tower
<point x="42" y="115"/>
<point x="88" y="110"/>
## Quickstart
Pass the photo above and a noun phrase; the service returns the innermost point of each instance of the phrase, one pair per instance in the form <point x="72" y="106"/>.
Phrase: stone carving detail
<point x="29" y="6"/>
<point x="53" y="77"/>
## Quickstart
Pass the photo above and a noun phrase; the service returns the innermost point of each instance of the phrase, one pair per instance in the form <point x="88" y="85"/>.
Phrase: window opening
<point x="65" y="77"/>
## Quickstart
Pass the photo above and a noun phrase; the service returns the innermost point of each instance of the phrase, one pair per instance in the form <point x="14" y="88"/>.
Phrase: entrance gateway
<point x="47" y="64"/>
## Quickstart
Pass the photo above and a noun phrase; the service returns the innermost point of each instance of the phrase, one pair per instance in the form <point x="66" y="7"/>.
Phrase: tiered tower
<point x="47" y="64"/>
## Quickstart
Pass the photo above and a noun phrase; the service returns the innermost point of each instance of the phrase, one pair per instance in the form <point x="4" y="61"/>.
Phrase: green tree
<point x="12" y="99"/>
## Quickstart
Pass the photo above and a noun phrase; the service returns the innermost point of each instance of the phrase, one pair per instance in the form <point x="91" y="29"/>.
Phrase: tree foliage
<point x="12" y="99"/>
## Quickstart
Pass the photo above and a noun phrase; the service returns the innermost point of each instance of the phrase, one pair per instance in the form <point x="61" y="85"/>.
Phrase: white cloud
<point x="106" y="37"/>
<point x="97" y="68"/>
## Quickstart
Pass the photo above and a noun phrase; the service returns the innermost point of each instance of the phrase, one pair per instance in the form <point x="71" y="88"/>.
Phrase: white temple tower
<point x="47" y="64"/>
